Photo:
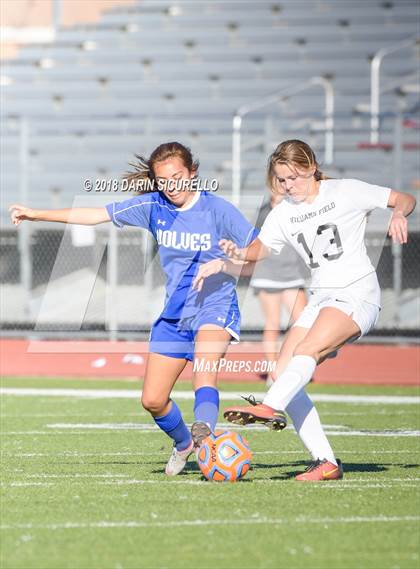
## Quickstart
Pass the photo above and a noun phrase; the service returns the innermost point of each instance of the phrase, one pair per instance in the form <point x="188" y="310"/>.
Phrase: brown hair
<point x="294" y="153"/>
<point x="144" y="167"/>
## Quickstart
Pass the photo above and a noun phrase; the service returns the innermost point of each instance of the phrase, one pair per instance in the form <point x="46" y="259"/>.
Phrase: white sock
<point x="297" y="374"/>
<point x="308" y="426"/>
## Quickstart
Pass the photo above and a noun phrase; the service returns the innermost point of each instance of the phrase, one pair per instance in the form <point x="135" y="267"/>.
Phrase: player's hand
<point x="398" y="228"/>
<point x="19" y="213"/>
<point x="206" y="270"/>
<point x="231" y="250"/>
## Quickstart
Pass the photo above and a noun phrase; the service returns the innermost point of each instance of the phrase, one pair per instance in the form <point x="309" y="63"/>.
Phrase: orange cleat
<point x="256" y="413"/>
<point x="321" y="470"/>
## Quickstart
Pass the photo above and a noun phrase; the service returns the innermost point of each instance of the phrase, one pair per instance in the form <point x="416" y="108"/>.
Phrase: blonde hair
<point x="295" y="154"/>
<point x="144" y="167"/>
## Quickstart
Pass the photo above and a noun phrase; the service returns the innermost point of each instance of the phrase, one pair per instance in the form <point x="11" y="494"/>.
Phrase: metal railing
<point x="244" y="110"/>
<point x="375" y="90"/>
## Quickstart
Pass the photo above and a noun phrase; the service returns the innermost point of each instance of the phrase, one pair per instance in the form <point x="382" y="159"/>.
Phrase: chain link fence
<point x="73" y="280"/>
<point x="105" y="282"/>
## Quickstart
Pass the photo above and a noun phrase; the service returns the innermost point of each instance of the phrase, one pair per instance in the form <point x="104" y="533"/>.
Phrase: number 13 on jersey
<point x="334" y="240"/>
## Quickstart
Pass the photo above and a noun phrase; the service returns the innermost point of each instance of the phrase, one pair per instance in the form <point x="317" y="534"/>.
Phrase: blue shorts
<point x="176" y="338"/>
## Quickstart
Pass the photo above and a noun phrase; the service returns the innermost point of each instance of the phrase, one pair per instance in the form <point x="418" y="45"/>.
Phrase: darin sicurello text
<point x="148" y="185"/>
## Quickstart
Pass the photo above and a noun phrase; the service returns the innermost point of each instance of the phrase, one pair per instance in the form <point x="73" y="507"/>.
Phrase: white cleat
<point x="178" y="460"/>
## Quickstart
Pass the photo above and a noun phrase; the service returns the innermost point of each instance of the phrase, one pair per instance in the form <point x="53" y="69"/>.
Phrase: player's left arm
<point x="402" y="204"/>
<point x="231" y="267"/>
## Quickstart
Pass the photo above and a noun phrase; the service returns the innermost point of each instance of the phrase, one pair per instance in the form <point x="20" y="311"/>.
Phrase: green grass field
<point x="83" y="487"/>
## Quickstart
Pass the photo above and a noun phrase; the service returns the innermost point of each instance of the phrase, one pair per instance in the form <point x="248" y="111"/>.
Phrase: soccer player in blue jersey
<point x="199" y="319"/>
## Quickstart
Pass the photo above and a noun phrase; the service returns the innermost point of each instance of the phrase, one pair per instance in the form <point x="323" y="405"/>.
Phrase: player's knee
<point x="153" y="403"/>
<point x="308" y="348"/>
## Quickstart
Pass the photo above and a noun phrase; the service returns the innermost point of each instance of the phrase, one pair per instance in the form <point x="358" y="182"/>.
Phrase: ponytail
<point x="318" y="175"/>
<point x="143" y="176"/>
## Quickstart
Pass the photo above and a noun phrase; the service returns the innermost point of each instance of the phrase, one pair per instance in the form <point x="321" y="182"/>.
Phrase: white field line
<point x="77" y="475"/>
<point x="105" y="426"/>
<point x="141" y="426"/>
<point x="68" y="432"/>
<point x="335" y="487"/>
<point x="72" y="428"/>
<point x="189" y="395"/>
<point x="403" y="433"/>
<point x="365" y="487"/>
<point x="144" y="414"/>
<point x="76" y="454"/>
<point x="221" y="522"/>
<point x="89" y="415"/>
<point x="122" y="476"/>
<point x="27" y="484"/>
<point x="64" y="414"/>
<point x="123" y="480"/>
<point x="150" y="429"/>
<point x="329" y="429"/>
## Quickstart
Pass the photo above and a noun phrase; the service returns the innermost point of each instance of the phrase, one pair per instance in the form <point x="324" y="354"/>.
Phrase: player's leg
<point x="295" y="301"/>
<point x="211" y="342"/>
<point x="292" y="338"/>
<point x="161" y="374"/>
<point x="271" y="307"/>
<point x="330" y="330"/>
<point x="244" y="415"/>
<point x="308" y="426"/>
<point x="169" y="352"/>
<point x="301" y="409"/>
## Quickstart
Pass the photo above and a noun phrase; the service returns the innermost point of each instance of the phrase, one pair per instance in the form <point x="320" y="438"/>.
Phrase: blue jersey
<point x="188" y="237"/>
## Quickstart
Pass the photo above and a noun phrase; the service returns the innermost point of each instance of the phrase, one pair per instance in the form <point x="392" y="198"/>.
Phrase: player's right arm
<point x="254" y="252"/>
<point x="77" y="215"/>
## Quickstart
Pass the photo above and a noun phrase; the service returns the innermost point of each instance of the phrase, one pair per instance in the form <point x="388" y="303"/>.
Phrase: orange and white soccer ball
<point x="224" y="456"/>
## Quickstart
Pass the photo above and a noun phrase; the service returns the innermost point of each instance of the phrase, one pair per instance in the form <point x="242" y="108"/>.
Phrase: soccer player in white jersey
<point x="194" y="324"/>
<point x="324" y="220"/>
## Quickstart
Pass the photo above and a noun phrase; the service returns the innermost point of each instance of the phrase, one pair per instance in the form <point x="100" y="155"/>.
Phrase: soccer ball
<point x="224" y="456"/>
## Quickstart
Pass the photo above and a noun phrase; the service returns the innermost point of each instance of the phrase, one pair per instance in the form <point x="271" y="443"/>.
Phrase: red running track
<point x="355" y="364"/>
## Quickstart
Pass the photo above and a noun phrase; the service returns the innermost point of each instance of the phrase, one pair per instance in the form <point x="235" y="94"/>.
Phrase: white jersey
<point x="329" y="234"/>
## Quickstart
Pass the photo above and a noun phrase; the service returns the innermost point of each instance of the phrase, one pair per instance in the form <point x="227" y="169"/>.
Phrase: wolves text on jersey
<point x="184" y="240"/>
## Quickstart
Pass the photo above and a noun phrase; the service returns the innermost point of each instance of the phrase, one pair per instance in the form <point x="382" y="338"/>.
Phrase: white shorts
<point x="364" y="313"/>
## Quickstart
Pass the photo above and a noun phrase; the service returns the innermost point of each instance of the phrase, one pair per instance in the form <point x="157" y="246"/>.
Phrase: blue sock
<point x="173" y="425"/>
<point x="206" y="406"/>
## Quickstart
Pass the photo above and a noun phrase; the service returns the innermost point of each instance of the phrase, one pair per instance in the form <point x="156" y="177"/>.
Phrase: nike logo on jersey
<point x="183" y="240"/>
